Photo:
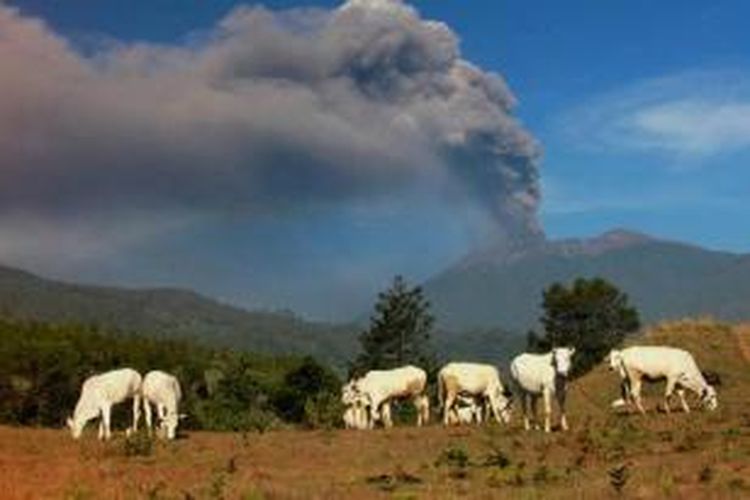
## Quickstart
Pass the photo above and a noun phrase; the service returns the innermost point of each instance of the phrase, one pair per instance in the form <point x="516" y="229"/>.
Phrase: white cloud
<point x="692" y="116"/>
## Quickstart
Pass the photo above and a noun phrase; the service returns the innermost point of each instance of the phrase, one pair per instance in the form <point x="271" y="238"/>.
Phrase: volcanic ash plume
<point x="267" y="111"/>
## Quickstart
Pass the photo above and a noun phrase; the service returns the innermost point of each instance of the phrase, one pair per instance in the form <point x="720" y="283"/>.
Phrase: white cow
<point x="380" y="387"/>
<point x="677" y="366"/>
<point x="466" y="411"/>
<point x="543" y="375"/>
<point x="163" y="390"/>
<point x="99" y="393"/>
<point x="480" y="381"/>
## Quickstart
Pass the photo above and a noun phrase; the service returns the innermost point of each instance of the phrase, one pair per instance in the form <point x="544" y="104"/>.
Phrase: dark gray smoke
<point x="269" y="111"/>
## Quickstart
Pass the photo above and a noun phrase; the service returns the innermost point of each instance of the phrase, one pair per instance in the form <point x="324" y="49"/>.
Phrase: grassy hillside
<point x="665" y="280"/>
<point x="171" y="313"/>
<point x="700" y="455"/>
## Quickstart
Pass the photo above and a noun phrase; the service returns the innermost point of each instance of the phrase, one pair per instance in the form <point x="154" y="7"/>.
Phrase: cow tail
<point x="441" y="390"/>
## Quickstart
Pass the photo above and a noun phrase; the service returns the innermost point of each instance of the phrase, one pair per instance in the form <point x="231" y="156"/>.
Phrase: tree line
<point x="42" y="367"/>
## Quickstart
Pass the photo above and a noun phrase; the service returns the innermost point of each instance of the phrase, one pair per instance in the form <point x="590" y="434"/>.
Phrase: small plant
<point x="138" y="444"/>
<point x="618" y="477"/>
<point x="323" y="411"/>
<point x="389" y="482"/>
<point x="231" y="467"/>
<point x="457" y="459"/>
<point x="497" y="458"/>
<point x="731" y="433"/>
<point x="154" y="493"/>
<point x="259" y="421"/>
<point x="738" y="484"/>
<point x="384" y="482"/>
<point x="216" y="489"/>
<point x="706" y="474"/>
<point x="541" y="475"/>
<point x="405" y="477"/>
<point x="454" y="457"/>
<point x="666" y="483"/>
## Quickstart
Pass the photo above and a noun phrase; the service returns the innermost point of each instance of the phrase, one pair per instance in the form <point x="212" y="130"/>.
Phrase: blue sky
<point x="642" y="110"/>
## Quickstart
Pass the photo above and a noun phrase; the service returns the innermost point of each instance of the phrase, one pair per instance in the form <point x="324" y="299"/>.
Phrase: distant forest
<point x="42" y="367"/>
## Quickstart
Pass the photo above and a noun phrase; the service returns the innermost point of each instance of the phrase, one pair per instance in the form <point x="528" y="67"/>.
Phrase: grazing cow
<point x="380" y="387"/>
<point x="543" y="375"/>
<point x="479" y="381"/>
<point x="99" y="393"/>
<point x="163" y="390"/>
<point x="466" y="411"/>
<point x="677" y="366"/>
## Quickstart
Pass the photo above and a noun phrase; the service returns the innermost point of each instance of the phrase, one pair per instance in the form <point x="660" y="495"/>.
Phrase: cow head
<point x="709" y="398"/>
<point x="562" y="359"/>
<point x="75" y="426"/>
<point x="615" y="359"/>
<point x="501" y="402"/>
<point x="169" y="424"/>
<point x="349" y="392"/>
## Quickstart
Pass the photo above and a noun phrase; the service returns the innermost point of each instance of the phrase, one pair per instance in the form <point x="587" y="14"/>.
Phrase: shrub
<point x="138" y="444"/>
<point x="323" y="411"/>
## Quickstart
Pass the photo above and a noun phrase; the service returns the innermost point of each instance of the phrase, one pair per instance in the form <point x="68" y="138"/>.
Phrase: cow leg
<point x="681" y="394"/>
<point x="534" y="412"/>
<point x="560" y="395"/>
<point x="450" y="398"/>
<point x="526" y="406"/>
<point x="635" y="391"/>
<point x="374" y="416"/>
<point x="668" y="391"/>
<point x="136" y="411"/>
<point x="362" y="418"/>
<point x="422" y="404"/>
<point x="101" y="425"/>
<point x="385" y="412"/>
<point x="625" y="393"/>
<point x="106" y="409"/>
<point x="547" y="410"/>
<point x="147" y="414"/>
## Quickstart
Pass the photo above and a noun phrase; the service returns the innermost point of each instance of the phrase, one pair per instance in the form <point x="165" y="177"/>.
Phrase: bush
<point x="324" y="411"/>
<point x="138" y="444"/>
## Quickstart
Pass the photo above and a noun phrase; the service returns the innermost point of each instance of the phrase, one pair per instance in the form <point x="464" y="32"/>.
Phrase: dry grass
<point x="703" y="455"/>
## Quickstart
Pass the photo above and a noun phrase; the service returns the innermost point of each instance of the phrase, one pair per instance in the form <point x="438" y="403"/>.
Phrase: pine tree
<point x="399" y="331"/>
<point x="592" y="315"/>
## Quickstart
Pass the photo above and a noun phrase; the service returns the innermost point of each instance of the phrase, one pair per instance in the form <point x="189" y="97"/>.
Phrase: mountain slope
<point x="663" y="279"/>
<point x="168" y="312"/>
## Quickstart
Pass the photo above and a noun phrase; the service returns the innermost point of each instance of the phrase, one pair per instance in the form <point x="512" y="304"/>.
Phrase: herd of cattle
<point x="468" y="393"/>
<point x="471" y="392"/>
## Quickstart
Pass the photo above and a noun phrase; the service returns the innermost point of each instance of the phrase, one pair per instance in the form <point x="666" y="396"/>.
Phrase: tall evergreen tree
<point x="592" y="315"/>
<point x="399" y="331"/>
